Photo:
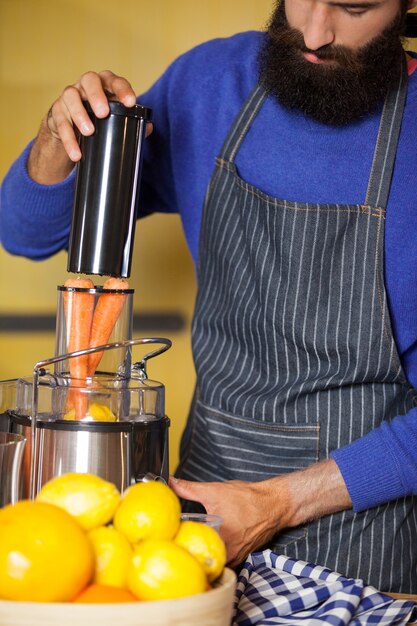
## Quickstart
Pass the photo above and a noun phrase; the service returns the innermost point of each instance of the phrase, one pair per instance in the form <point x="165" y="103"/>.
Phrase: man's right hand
<point x="56" y="148"/>
<point x="68" y="110"/>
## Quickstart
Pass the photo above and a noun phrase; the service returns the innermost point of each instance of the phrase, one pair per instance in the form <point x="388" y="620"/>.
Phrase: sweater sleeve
<point x="35" y="220"/>
<point x="382" y="465"/>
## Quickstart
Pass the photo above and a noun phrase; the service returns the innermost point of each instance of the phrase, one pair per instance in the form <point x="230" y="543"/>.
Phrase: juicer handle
<point x="39" y="368"/>
<point x="140" y="366"/>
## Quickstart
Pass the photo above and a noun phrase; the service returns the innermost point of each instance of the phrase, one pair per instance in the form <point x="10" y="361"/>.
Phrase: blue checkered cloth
<point x="274" y="589"/>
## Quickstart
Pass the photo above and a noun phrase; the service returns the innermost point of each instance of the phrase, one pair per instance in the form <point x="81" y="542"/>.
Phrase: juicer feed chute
<point x="115" y="362"/>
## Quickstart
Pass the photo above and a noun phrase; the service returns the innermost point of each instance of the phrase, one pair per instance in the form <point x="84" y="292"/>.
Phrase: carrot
<point x="106" y="314"/>
<point x="79" y="307"/>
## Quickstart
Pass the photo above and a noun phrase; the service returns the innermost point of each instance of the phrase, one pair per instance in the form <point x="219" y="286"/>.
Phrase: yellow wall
<point x="47" y="44"/>
<point x="411" y="44"/>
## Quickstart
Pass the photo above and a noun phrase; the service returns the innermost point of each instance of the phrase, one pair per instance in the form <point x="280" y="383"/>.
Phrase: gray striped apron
<point x="294" y="350"/>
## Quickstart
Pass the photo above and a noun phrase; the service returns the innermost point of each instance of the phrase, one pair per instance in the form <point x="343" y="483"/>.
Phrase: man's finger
<point x="149" y="129"/>
<point x="58" y="119"/>
<point x="187" y="489"/>
<point x="119" y="87"/>
<point x="75" y="110"/>
<point x="92" y="85"/>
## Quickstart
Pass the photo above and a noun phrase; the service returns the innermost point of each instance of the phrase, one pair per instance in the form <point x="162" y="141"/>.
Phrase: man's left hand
<point x="252" y="512"/>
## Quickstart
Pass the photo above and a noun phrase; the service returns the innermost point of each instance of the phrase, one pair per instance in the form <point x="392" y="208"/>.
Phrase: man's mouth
<point x="313" y="58"/>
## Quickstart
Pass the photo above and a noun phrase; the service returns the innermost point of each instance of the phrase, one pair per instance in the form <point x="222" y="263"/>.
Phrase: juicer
<point x="132" y="447"/>
<point x="108" y="420"/>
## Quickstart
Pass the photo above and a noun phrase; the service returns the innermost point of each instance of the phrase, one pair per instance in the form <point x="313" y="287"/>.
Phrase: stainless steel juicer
<point x="133" y="447"/>
<point x="121" y="432"/>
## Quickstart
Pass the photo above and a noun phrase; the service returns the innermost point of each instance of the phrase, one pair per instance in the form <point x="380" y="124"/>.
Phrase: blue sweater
<point x="285" y="155"/>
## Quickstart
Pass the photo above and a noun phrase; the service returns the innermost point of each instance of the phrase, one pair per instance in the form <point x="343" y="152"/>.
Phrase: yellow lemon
<point x="45" y="556"/>
<point x="148" y="511"/>
<point x="100" y="413"/>
<point x="70" y="415"/>
<point x="88" y="498"/>
<point x="113" y="553"/>
<point x="161" y="570"/>
<point x="96" y="412"/>
<point x="205" y="544"/>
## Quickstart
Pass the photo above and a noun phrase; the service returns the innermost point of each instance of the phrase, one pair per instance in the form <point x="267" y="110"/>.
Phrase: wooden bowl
<point x="212" y="608"/>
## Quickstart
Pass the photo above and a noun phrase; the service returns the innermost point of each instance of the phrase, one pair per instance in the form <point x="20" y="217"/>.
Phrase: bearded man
<point x="303" y="428"/>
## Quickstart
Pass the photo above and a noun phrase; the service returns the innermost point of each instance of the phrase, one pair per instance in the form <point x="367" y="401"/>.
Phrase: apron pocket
<point x="227" y="447"/>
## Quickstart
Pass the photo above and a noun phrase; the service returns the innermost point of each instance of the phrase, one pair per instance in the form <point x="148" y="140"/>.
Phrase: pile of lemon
<point x="82" y="541"/>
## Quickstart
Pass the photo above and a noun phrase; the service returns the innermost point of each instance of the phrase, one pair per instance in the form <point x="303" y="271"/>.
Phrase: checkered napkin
<point x="274" y="589"/>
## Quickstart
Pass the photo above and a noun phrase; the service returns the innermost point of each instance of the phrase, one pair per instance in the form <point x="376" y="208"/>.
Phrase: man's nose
<point x="319" y="29"/>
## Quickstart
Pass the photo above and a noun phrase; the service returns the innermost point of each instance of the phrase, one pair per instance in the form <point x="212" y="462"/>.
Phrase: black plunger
<point x="106" y="192"/>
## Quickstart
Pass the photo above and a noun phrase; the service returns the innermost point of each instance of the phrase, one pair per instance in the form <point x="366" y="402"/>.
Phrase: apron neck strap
<point x="242" y="123"/>
<point x="387" y="142"/>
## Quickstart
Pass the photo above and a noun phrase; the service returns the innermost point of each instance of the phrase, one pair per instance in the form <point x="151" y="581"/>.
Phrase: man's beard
<point x="351" y="87"/>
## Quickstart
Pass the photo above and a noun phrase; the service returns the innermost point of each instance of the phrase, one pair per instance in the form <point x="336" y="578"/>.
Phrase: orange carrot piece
<point x="79" y="308"/>
<point x="106" y="314"/>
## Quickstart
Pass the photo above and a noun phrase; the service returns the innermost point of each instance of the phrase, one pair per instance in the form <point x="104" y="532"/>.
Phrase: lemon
<point x="113" y="553"/>
<point x="70" y="415"/>
<point x="100" y="413"/>
<point x="88" y="498"/>
<point x="96" y="412"/>
<point x="161" y="570"/>
<point x="45" y="556"/>
<point x="205" y="544"/>
<point x="148" y="511"/>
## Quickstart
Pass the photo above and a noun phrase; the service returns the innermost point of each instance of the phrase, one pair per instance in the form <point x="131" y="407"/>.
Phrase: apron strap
<point x="386" y="144"/>
<point x="242" y="123"/>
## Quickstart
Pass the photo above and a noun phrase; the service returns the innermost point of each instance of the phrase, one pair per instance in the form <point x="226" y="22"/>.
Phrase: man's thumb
<point x="184" y="488"/>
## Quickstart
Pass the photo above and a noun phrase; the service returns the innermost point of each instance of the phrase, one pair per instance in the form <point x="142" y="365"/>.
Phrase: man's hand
<point x="254" y="512"/>
<point x="68" y="110"/>
<point x="56" y="148"/>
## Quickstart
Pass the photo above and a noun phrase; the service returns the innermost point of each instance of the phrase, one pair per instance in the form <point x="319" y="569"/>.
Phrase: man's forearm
<point x="48" y="162"/>
<point x="253" y="512"/>
<point x="316" y="491"/>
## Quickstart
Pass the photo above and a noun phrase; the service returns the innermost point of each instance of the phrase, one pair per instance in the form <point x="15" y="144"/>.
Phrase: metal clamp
<point x="149" y="477"/>
<point x="140" y="366"/>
